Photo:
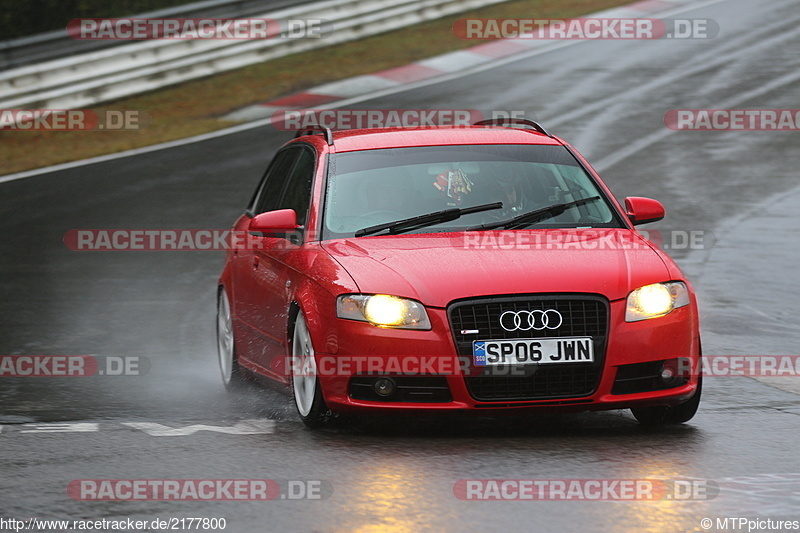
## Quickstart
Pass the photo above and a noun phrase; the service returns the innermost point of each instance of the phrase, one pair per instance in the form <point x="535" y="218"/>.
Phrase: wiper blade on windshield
<point x="412" y="223"/>
<point x="532" y="217"/>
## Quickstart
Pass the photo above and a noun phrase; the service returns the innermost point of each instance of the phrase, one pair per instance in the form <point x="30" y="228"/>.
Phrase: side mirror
<point x="643" y="210"/>
<point x="275" y="222"/>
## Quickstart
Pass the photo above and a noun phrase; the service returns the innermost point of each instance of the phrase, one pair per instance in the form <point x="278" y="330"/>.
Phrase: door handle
<point x="256" y="261"/>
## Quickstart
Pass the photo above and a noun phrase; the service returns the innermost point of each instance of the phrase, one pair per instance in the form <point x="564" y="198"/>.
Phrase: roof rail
<point x="309" y="130"/>
<point x="518" y="121"/>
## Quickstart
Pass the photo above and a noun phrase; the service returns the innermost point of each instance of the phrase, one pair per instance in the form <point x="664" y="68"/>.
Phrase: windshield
<point x="372" y="187"/>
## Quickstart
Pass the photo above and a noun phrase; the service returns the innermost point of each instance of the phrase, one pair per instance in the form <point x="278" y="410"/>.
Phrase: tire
<point x="233" y="376"/>
<point x="664" y="415"/>
<point x="305" y="388"/>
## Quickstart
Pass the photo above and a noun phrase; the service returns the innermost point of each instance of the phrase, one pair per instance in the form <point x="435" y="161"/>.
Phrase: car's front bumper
<point x="362" y="350"/>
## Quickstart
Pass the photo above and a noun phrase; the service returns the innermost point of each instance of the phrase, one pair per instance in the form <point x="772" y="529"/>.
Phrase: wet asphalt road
<point x="607" y="98"/>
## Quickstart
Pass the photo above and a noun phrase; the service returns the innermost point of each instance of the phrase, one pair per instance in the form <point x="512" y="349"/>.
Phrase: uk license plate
<point x="530" y="351"/>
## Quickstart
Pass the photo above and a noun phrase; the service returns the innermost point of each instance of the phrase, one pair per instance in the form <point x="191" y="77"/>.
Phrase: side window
<point x="297" y="194"/>
<point x="267" y="198"/>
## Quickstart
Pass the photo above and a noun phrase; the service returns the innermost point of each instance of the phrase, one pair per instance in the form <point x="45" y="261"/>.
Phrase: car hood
<point x="439" y="268"/>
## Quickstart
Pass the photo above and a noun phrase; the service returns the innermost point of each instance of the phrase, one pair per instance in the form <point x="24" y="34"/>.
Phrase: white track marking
<point x="61" y="427"/>
<point x="244" y="427"/>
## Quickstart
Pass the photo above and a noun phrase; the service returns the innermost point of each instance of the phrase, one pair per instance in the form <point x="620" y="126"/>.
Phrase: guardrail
<point x="56" y="44"/>
<point x="129" y="69"/>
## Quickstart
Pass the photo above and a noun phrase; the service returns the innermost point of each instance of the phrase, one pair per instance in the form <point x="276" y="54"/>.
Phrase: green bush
<point x="27" y="17"/>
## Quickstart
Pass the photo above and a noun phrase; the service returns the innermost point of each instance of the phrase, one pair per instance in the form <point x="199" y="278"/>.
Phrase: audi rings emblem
<point x="531" y="320"/>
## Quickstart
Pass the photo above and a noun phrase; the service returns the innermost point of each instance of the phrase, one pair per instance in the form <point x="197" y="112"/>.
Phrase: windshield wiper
<point x="532" y="217"/>
<point x="412" y="223"/>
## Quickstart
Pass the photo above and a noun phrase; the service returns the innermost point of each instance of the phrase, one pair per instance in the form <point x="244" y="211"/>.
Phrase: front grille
<point x="583" y="316"/>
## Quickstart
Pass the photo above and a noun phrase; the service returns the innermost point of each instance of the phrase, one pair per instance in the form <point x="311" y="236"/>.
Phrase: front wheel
<point x="678" y="414"/>
<point x="304" y="383"/>
<point x="233" y="376"/>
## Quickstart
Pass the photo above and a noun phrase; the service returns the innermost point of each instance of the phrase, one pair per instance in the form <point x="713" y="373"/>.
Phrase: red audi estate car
<point x="485" y="268"/>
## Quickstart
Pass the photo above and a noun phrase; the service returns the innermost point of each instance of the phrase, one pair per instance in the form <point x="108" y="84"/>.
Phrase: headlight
<point x="656" y="300"/>
<point x="383" y="310"/>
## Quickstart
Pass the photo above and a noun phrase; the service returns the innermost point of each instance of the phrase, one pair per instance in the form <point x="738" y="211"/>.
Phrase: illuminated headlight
<point x="383" y="310"/>
<point x="656" y="300"/>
